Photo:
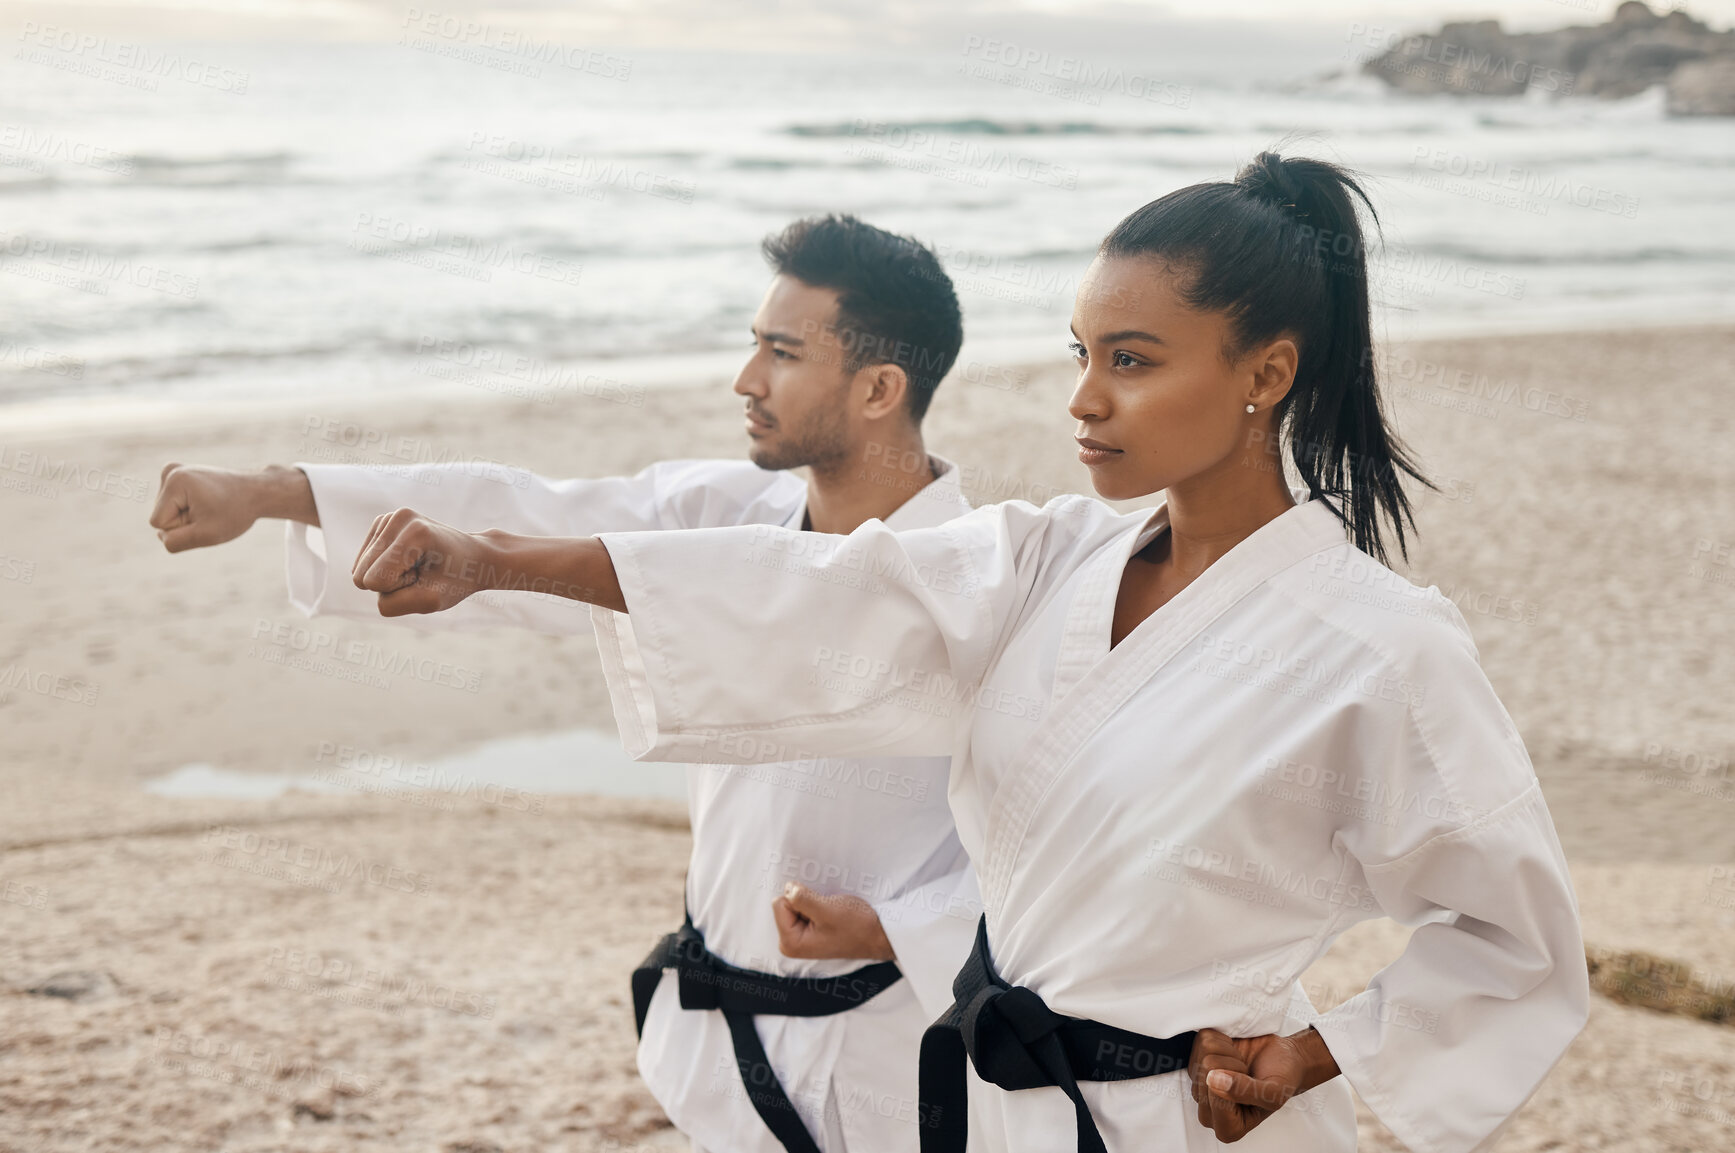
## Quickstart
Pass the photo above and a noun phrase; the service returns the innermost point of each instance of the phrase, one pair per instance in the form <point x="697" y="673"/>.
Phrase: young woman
<point x="1190" y="747"/>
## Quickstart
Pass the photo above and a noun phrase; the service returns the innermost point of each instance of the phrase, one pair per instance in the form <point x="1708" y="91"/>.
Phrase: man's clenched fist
<point x="418" y="565"/>
<point x="199" y="506"/>
<point x="837" y="926"/>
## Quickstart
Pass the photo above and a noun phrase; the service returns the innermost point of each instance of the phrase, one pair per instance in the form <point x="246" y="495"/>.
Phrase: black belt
<point x="1017" y="1042"/>
<point x="709" y="982"/>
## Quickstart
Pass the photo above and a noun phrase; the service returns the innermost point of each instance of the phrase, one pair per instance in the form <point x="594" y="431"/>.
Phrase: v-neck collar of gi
<point x="1093" y="681"/>
<point x="940" y="500"/>
<point x="1090" y="618"/>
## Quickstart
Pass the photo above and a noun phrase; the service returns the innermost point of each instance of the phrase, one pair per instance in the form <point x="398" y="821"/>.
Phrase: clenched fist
<point x="1240" y="1081"/>
<point x="199" y="506"/>
<point x="838" y="926"/>
<point x="418" y="565"/>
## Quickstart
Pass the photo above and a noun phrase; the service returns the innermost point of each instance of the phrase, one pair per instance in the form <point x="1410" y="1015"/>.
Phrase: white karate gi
<point x="1298" y="741"/>
<point x="877" y="828"/>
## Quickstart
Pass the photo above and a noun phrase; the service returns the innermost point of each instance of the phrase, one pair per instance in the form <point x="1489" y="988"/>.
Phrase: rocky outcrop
<point x="1635" y="50"/>
<point x="1703" y="88"/>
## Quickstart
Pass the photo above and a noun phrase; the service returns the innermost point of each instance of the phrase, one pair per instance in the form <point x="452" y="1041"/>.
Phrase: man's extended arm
<point x="200" y="506"/>
<point x="325" y="535"/>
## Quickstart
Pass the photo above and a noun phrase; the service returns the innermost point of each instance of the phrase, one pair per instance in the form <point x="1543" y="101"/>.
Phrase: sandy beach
<point x="337" y="972"/>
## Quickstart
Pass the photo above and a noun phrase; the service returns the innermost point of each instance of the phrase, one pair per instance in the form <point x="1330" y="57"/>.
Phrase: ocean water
<point x="573" y="761"/>
<point x="241" y="221"/>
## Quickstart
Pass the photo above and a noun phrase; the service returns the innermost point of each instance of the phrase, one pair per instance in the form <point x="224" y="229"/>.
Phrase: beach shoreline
<point x="50" y="417"/>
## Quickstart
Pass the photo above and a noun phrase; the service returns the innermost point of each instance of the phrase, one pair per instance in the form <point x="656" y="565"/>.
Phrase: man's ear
<point x="887" y="390"/>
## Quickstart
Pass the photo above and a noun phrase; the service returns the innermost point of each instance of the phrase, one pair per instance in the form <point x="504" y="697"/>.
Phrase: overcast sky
<point x="782" y="24"/>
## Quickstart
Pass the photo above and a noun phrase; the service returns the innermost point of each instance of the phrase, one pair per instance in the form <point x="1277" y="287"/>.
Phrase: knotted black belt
<point x="1017" y="1042"/>
<point x="709" y="982"/>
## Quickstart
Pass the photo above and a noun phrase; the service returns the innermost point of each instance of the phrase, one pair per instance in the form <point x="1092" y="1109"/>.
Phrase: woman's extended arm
<point x="418" y="565"/>
<point x="755" y="643"/>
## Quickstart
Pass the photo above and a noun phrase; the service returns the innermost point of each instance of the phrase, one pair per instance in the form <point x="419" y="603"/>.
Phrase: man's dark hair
<point x="895" y="302"/>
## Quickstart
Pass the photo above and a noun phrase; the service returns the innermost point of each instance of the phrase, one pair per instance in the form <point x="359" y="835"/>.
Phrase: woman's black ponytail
<point x="1281" y="250"/>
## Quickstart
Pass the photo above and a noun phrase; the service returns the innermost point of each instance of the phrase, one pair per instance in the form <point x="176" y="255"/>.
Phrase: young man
<point x="851" y="340"/>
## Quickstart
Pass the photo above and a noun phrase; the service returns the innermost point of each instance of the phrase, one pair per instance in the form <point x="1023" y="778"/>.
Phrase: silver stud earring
<point x="1250" y="409"/>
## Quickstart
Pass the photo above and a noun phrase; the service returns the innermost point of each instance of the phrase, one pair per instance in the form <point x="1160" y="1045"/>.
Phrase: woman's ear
<point x="1273" y="371"/>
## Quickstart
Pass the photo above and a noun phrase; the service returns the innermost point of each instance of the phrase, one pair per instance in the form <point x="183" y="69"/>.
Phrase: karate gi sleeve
<point x="1452" y="1038"/>
<point x="479" y="495"/>
<point x="760" y="644"/>
<point x="932" y="928"/>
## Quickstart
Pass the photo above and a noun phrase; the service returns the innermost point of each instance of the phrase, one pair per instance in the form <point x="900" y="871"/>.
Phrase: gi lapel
<point x="1105" y="688"/>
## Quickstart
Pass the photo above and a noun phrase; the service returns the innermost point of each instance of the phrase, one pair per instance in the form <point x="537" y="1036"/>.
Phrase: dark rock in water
<point x="74" y="985"/>
<point x="1703" y="88"/>
<point x="1635" y="50"/>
